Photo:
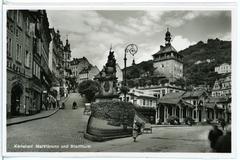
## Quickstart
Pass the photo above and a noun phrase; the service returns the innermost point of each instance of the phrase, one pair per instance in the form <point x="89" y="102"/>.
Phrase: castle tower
<point x="168" y="61"/>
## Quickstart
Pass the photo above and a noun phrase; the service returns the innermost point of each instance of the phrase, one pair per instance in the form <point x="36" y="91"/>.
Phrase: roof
<point x="171" y="98"/>
<point x="174" y="98"/>
<point x="139" y="94"/>
<point x="195" y="93"/>
<point x="166" y="49"/>
<point x="218" y="99"/>
<point x="210" y="105"/>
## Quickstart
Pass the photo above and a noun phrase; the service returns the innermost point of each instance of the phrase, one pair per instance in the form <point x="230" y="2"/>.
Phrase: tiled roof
<point x="166" y="49"/>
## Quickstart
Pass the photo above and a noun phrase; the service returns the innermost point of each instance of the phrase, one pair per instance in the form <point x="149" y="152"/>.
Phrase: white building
<point x="223" y="68"/>
<point x="222" y="87"/>
<point x="87" y="74"/>
<point x="145" y="102"/>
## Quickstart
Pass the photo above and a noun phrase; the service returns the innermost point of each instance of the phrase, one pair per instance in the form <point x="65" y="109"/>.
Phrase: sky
<point x="91" y="33"/>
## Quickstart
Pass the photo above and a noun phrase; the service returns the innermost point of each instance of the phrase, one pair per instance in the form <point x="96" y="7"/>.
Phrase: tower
<point x="168" y="61"/>
<point x="67" y="55"/>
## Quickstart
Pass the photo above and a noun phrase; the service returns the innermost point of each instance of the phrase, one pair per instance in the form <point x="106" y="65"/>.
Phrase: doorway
<point x="16" y="94"/>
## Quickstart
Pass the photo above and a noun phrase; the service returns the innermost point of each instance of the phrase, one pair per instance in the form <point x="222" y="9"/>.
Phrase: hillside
<point x="199" y="62"/>
<point x="201" y="59"/>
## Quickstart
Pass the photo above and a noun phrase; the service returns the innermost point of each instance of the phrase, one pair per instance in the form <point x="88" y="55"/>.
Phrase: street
<point x="63" y="132"/>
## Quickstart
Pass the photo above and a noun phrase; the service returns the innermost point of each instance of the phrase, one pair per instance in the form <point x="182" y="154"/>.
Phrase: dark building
<point x="27" y="57"/>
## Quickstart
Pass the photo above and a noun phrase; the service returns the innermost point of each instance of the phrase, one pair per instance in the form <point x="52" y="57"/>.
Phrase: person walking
<point x="223" y="144"/>
<point x="213" y="136"/>
<point x="135" y="131"/>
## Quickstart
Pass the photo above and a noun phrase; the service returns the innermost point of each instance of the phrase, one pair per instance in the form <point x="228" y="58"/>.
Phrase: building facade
<point x="223" y="68"/>
<point x="168" y="61"/>
<point x="222" y="86"/>
<point x="78" y="64"/>
<point x="27" y="54"/>
<point x="87" y="74"/>
<point x="145" y="102"/>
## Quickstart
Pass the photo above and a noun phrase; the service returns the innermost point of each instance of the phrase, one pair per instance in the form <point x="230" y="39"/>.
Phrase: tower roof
<point x="166" y="49"/>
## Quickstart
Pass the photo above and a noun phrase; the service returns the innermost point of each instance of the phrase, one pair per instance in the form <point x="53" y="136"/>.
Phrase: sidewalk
<point x="42" y="114"/>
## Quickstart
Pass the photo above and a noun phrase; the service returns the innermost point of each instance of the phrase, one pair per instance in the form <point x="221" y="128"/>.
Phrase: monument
<point x="110" y="118"/>
<point x="108" y="80"/>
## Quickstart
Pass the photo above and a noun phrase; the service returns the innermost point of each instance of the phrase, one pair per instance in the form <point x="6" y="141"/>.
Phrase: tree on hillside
<point x="89" y="88"/>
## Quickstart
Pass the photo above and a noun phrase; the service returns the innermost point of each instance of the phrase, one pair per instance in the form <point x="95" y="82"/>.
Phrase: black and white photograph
<point x="118" y="80"/>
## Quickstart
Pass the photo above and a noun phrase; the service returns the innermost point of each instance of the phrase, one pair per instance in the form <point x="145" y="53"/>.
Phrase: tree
<point x="124" y="89"/>
<point x="89" y="88"/>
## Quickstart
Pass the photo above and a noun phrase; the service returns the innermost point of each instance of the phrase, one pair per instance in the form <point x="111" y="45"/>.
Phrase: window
<point x="27" y="26"/>
<point x="27" y="59"/>
<point x="19" y="19"/>
<point x="9" y="47"/>
<point x="17" y="32"/>
<point x="194" y="102"/>
<point x="163" y="92"/>
<point x="19" y="50"/>
<point x="10" y="14"/>
<point x="144" y="102"/>
<point x="150" y="102"/>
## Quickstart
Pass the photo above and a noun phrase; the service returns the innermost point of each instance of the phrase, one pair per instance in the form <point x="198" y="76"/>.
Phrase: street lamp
<point x="132" y="49"/>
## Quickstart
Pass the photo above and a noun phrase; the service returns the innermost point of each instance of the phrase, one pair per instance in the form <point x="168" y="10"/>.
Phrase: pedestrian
<point x="223" y="123"/>
<point x="74" y="106"/>
<point x="213" y="136"/>
<point x="135" y="131"/>
<point x="223" y="144"/>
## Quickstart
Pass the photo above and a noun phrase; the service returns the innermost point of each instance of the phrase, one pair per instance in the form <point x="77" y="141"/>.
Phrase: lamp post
<point x="132" y="49"/>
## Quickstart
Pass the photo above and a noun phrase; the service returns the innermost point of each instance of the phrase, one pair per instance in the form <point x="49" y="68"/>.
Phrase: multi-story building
<point x="82" y="69"/>
<point x="87" y="74"/>
<point x="162" y="89"/>
<point x="27" y="54"/>
<point x="223" y="68"/>
<point x="56" y="53"/>
<point x="222" y="86"/>
<point x="78" y="64"/>
<point x="56" y="62"/>
<point x="168" y="61"/>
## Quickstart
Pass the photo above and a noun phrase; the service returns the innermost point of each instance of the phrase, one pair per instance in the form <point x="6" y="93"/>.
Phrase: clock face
<point x="106" y="86"/>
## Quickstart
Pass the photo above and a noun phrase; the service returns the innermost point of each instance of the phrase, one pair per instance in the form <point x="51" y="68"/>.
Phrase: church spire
<point x="168" y="37"/>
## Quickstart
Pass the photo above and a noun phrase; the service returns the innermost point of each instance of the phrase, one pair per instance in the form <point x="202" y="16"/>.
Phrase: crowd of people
<point x="50" y="103"/>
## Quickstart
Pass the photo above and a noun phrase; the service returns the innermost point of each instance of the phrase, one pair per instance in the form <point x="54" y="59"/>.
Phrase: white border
<point x="130" y="6"/>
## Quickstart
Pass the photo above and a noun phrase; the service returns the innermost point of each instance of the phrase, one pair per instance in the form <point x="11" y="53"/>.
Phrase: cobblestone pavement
<point x="64" y="132"/>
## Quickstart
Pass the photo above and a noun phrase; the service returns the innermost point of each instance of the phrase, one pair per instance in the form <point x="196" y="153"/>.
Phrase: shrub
<point x="115" y="112"/>
<point x="173" y="120"/>
<point x="89" y="88"/>
<point x="189" y="121"/>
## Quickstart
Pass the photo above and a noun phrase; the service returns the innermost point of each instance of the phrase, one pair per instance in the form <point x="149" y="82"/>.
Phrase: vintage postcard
<point x="118" y="80"/>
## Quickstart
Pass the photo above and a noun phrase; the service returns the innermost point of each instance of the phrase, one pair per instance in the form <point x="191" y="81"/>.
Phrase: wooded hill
<point x="199" y="62"/>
